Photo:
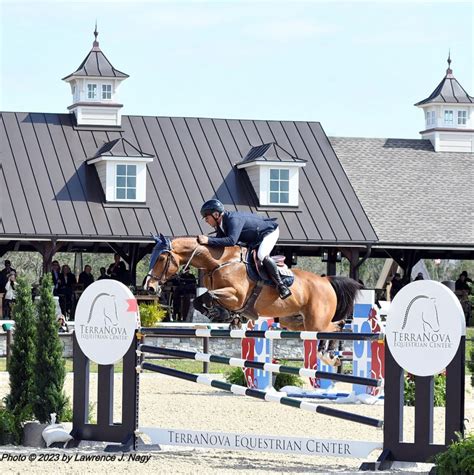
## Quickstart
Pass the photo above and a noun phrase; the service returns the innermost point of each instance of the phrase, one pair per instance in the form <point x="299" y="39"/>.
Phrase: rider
<point x="248" y="229"/>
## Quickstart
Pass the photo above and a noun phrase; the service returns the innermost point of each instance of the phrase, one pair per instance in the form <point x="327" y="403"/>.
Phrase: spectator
<point x="67" y="282"/>
<point x="184" y="289"/>
<point x="85" y="277"/>
<point x="103" y="274"/>
<point x="4" y="274"/>
<point x="117" y="270"/>
<point x="55" y="273"/>
<point x="419" y="276"/>
<point x="62" y="324"/>
<point x="462" y="282"/>
<point x="397" y="284"/>
<point x="235" y="324"/>
<point x="10" y="295"/>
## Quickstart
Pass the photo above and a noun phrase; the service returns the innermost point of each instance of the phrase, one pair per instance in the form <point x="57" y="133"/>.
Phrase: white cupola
<point x="449" y="116"/>
<point x="94" y="88"/>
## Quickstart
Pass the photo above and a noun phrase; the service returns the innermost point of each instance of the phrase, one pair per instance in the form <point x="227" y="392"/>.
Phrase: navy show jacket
<point x="247" y="229"/>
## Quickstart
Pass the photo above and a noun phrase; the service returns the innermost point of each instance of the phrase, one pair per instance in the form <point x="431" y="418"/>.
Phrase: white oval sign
<point x="425" y="323"/>
<point x="105" y="321"/>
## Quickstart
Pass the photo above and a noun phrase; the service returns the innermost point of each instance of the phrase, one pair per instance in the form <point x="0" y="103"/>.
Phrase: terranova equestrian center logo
<point x="105" y="321"/>
<point x="425" y="323"/>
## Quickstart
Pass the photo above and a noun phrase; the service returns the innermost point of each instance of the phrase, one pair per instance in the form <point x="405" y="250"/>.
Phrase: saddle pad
<point x="286" y="274"/>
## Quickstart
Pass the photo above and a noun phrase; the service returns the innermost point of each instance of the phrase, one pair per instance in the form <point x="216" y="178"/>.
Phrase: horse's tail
<point x="346" y="291"/>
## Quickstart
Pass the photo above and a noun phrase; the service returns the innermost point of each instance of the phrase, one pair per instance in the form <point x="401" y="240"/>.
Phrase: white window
<point x="279" y="186"/>
<point x="430" y="118"/>
<point x="448" y="117"/>
<point x="106" y="91"/>
<point x="91" y="91"/>
<point x="126" y="182"/>
<point x="462" y="117"/>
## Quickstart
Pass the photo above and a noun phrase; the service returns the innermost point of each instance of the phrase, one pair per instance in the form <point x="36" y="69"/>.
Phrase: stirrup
<point x="284" y="291"/>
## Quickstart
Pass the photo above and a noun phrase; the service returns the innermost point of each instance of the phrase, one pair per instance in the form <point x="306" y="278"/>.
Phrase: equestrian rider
<point x="247" y="229"/>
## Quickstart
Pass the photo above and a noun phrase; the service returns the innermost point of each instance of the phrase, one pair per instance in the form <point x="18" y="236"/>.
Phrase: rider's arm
<point x="234" y="228"/>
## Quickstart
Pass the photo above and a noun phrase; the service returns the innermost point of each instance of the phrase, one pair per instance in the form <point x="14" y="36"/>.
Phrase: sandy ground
<point x="171" y="403"/>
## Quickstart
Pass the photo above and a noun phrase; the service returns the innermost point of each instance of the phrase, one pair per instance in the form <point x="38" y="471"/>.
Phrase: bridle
<point x="171" y="259"/>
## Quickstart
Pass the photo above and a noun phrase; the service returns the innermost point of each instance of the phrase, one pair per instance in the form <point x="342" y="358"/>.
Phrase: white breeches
<point x="268" y="244"/>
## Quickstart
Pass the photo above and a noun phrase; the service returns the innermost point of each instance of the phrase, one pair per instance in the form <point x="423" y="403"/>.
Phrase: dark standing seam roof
<point x="270" y="152"/>
<point x="96" y="64"/>
<point x="50" y="190"/>
<point x="448" y="91"/>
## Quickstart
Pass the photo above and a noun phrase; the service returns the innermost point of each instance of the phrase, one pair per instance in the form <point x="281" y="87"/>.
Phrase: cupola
<point x="449" y="122"/>
<point x="94" y="87"/>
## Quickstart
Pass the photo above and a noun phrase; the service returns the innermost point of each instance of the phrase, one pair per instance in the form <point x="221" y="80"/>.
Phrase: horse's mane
<point x="409" y="306"/>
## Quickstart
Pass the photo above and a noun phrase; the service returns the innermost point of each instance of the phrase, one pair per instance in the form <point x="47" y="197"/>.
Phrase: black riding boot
<point x="272" y="269"/>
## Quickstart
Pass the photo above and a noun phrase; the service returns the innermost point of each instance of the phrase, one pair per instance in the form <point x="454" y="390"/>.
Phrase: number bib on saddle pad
<point x="286" y="274"/>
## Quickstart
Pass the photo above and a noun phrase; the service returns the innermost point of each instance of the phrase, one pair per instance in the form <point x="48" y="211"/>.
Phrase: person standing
<point x="85" y="277"/>
<point x="117" y="270"/>
<point x="10" y="295"/>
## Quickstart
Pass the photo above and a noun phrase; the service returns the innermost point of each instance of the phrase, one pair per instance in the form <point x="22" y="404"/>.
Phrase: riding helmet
<point x="210" y="207"/>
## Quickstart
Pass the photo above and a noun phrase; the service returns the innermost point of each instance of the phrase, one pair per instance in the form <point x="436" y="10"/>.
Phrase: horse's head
<point x="163" y="264"/>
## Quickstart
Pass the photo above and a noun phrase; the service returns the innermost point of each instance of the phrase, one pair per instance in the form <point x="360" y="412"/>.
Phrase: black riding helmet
<point x="210" y="207"/>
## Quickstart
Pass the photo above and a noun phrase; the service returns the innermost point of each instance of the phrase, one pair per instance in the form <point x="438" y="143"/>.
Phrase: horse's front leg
<point x="214" y="303"/>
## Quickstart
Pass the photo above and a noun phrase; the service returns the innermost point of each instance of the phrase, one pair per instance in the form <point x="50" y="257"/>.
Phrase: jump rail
<point x="269" y="334"/>
<point x="272" y="368"/>
<point x="264" y="396"/>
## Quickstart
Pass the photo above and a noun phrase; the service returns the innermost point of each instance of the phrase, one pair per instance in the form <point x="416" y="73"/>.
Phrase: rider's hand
<point x="202" y="239"/>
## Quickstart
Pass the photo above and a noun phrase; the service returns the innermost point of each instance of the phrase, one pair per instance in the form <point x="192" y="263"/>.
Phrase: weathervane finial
<point x="449" y="70"/>
<point x="96" y="34"/>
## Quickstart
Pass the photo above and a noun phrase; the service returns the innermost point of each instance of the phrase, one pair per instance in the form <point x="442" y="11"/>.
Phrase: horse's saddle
<point x="257" y="272"/>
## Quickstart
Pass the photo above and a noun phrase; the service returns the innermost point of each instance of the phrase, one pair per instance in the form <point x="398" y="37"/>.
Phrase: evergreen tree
<point x="49" y="367"/>
<point x="23" y="349"/>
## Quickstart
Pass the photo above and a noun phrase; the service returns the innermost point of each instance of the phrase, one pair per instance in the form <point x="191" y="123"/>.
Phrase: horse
<point x="316" y="304"/>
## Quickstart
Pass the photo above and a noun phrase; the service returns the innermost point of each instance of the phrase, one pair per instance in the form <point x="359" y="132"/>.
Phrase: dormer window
<point x="462" y="117"/>
<point x="122" y="170"/>
<point x="448" y="117"/>
<point x="274" y="174"/>
<point x="126" y="182"/>
<point x="279" y="186"/>
<point x="91" y="91"/>
<point x="106" y="91"/>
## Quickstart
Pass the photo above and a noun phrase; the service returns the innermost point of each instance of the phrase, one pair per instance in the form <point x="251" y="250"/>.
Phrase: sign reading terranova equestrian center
<point x="260" y="443"/>
<point x="424" y="327"/>
<point x="106" y="320"/>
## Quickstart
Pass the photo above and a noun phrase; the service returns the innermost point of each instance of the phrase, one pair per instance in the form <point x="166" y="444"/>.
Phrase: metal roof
<point x="269" y="152"/>
<point x="96" y="64"/>
<point x="411" y="193"/>
<point x="49" y="190"/>
<point x="448" y="91"/>
<point x="120" y="147"/>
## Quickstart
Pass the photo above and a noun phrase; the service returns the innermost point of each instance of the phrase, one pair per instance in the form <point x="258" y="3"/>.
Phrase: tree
<point x="49" y="366"/>
<point x="21" y="366"/>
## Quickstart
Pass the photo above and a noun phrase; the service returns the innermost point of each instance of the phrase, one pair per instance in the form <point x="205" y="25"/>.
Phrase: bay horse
<point x="316" y="304"/>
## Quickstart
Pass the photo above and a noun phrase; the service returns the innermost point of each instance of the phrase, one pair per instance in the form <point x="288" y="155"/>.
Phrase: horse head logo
<point x="104" y="305"/>
<point x="423" y="308"/>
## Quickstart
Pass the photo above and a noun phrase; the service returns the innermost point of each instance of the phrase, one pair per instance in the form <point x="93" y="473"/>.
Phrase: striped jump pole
<point x="272" y="368"/>
<point x="270" y="334"/>
<point x="264" y="396"/>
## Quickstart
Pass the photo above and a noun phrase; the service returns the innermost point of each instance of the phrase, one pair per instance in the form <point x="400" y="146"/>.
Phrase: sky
<point x="357" y="67"/>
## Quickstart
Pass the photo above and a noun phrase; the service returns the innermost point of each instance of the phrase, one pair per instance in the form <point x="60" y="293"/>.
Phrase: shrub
<point x="23" y="349"/>
<point x="50" y="369"/>
<point x="7" y="426"/>
<point x="458" y="458"/>
<point x="236" y="376"/>
<point x="439" y="390"/>
<point x="151" y="314"/>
